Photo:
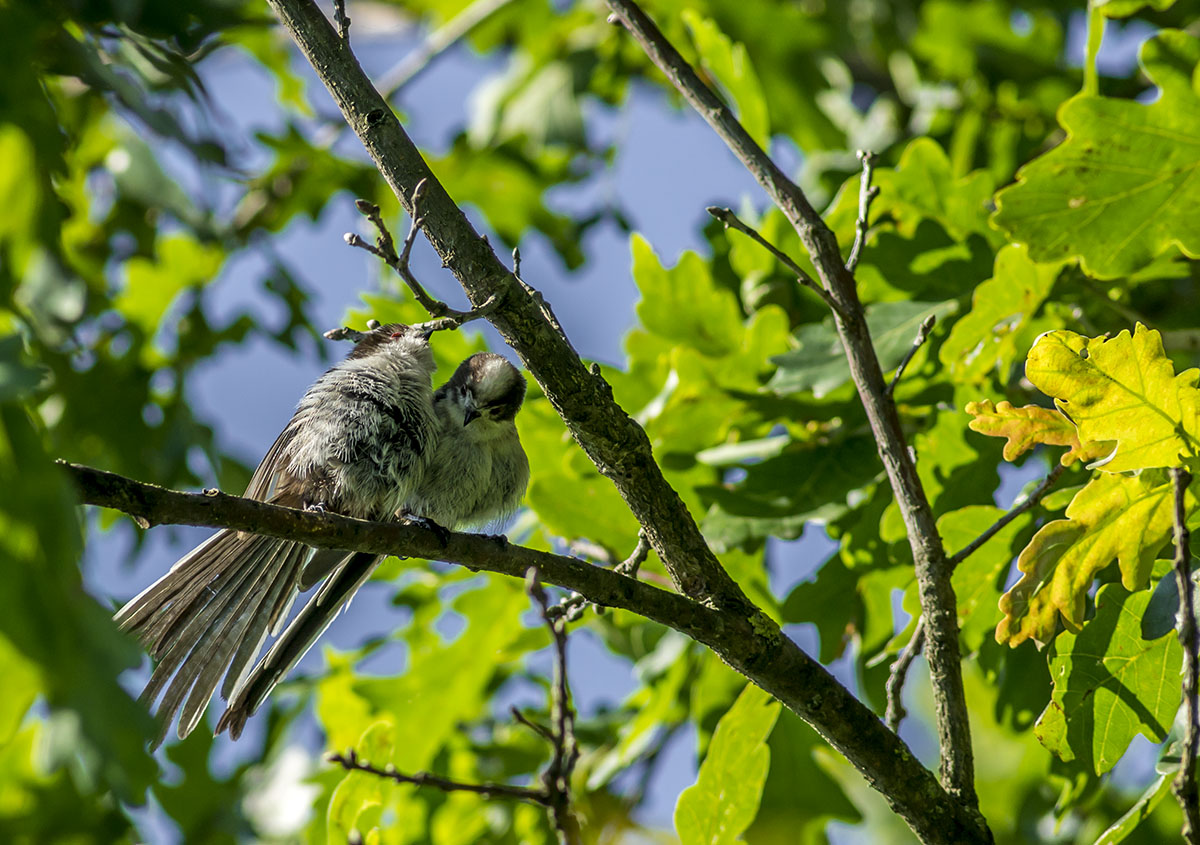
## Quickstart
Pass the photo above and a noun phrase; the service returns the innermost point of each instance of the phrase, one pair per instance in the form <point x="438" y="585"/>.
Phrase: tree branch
<point x="616" y="444"/>
<point x="895" y="682"/>
<point x="1185" y="787"/>
<point x="938" y="601"/>
<point x="764" y="656"/>
<point x="350" y="762"/>
<point x="732" y="221"/>
<point x="556" y="780"/>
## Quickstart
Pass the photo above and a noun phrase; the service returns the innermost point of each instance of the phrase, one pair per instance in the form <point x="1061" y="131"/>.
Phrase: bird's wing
<point x="266" y="476"/>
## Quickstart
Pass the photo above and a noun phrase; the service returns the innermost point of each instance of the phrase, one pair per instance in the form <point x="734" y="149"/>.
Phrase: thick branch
<point x="932" y="570"/>
<point x="1185" y="788"/>
<point x="614" y="442"/>
<point x="764" y="656"/>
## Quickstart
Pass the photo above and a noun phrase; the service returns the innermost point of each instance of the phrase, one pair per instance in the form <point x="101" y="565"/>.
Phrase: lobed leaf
<point x="1122" y="188"/>
<point x="1024" y="428"/>
<point x="724" y="800"/>
<point x="1123" y="389"/>
<point x="1126" y="518"/>
<point x="1110" y="684"/>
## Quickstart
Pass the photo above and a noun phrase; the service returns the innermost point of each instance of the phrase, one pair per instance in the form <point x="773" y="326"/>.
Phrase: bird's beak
<point x="470" y="413"/>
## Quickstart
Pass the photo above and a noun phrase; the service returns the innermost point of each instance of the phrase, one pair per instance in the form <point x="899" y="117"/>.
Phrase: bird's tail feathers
<point x="209" y="616"/>
<point x="250" y="691"/>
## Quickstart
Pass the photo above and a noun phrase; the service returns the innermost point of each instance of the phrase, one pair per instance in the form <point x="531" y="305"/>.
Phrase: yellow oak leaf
<point x="1026" y="427"/>
<point x="1123" y="389"/>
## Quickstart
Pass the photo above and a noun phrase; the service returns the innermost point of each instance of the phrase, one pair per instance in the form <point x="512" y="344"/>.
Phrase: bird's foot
<point x="499" y="539"/>
<point x="316" y="507"/>
<point x="443" y="533"/>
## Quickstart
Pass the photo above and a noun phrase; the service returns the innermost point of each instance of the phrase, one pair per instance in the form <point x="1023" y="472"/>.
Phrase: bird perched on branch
<point x="476" y="475"/>
<point x="362" y="443"/>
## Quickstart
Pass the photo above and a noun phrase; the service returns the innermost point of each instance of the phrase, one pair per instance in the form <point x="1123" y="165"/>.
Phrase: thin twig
<point x="918" y="342"/>
<point x="732" y="221"/>
<point x="446" y="318"/>
<point x="866" y="193"/>
<point x="571" y="607"/>
<point x="435" y="44"/>
<point x="899" y="672"/>
<point x="556" y="780"/>
<point x="532" y="725"/>
<point x="1185" y="786"/>
<point x="350" y="762"/>
<point x="341" y="19"/>
<point x="1016" y="510"/>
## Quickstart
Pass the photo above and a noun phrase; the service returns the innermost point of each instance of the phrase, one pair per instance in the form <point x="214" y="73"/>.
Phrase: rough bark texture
<point x="764" y="656"/>
<point x="938" y="602"/>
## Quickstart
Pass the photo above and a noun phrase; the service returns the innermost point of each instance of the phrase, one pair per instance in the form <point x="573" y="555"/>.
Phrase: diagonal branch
<point x="765" y="657"/>
<point x="938" y="601"/>
<point x="614" y="442"/>
<point x="895" y="682"/>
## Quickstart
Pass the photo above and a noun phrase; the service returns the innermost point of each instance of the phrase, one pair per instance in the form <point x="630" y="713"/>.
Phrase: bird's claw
<point x="499" y="539"/>
<point x="316" y="507"/>
<point x="442" y="533"/>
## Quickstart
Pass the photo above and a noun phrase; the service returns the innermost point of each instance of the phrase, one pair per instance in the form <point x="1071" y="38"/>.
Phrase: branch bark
<point x="938" y="602"/>
<point x="1185" y="787"/>
<point x="765" y="657"/>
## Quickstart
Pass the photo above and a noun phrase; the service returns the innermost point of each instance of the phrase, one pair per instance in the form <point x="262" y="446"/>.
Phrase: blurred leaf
<point x="1001" y="324"/>
<point x="922" y="186"/>
<point x="1123" y="827"/>
<point x="1119" y="190"/>
<point x="731" y="65"/>
<point x="724" y="800"/>
<point x="1123" y="389"/>
<point x="819" y="365"/>
<point x="683" y="304"/>
<point x="1110" y="684"/>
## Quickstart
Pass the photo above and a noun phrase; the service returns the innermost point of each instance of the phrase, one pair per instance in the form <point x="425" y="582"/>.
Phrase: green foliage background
<point x="1018" y="195"/>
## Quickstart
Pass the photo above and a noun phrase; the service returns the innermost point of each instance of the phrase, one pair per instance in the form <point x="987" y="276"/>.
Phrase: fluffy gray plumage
<point x="479" y="471"/>
<point x="358" y="443"/>
<point x="369" y="439"/>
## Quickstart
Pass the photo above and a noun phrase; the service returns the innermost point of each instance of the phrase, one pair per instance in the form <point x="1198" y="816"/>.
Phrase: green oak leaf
<point x="923" y="186"/>
<point x="1123" y="186"/>
<point x="1123" y="389"/>
<point x="1110" y="684"/>
<point x="1126" y="518"/>
<point x="724" y="800"/>
<point x="1001" y="323"/>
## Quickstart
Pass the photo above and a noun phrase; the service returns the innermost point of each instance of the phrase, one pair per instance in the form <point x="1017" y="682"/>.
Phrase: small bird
<point x="359" y="442"/>
<point x="479" y="471"/>
<point x="476" y="475"/>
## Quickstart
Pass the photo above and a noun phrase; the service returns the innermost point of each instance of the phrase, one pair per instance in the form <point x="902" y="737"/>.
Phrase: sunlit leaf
<point x="1115" y="517"/>
<point x="1110" y="684"/>
<point x="1120" y="190"/>
<point x="723" y="801"/>
<point x="1024" y="428"/>
<point x="1123" y="389"/>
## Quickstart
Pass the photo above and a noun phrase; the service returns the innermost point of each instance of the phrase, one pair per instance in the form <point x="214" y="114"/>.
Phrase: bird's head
<point x="395" y="339"/>
<point x="487" y="389"/>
